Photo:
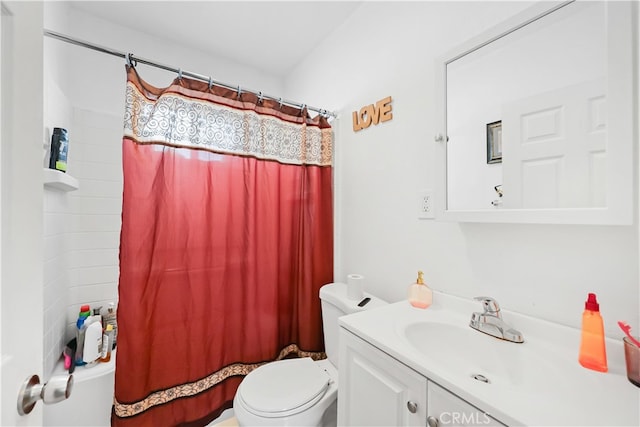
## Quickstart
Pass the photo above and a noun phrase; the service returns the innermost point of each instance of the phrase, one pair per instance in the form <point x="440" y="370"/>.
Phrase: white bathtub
<point x="91" y="398"/>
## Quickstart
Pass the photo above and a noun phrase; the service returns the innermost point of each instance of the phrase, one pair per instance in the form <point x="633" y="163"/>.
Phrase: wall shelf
<point x="56" y="180"/>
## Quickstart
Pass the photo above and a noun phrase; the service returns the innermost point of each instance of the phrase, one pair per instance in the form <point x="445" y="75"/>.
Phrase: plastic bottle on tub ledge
<point x="81" y="328"/>
<point x="110" y="318"/>
<point x="93" y="342"/>
<point x="107" y="343"/>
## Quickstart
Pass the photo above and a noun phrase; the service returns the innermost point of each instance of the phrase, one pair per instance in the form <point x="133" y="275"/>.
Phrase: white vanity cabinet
<point x="447" y="409"/>
<point x="377" y="390"/>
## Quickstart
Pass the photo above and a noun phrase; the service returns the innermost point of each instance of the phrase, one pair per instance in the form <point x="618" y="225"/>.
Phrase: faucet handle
<point x="490" y="305"/>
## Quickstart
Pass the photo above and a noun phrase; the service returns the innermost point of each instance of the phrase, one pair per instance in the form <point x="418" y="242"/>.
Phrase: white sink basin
<point x="462" y="349"/>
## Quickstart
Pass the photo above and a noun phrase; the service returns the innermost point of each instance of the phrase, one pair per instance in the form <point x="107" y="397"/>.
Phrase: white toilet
<point x="300" y="392"/>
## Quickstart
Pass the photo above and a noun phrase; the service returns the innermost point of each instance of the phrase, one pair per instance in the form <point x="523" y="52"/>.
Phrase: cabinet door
<point x="447" y="409"/>
<point x="375" y="389"/>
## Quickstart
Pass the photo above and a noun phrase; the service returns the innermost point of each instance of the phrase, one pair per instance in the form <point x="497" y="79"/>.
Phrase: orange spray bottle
<point x="593" y="354"/>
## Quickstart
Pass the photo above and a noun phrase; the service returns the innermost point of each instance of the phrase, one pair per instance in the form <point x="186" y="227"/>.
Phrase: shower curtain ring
<point x="303" y="107"/>
<point x="280" y="102"/>
<point x="128" y="59"/>
<point x="179" y="73"/>
<point x="210" y="83"/>
<point x="239" y="91"/>
<point x="260" y="97"/>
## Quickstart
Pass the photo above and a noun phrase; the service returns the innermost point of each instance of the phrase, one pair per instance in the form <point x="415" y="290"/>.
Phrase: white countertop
<point x="539" y="383"/>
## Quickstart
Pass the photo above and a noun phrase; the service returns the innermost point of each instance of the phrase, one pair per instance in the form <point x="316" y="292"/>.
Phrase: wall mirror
<point x="536" y="118"/>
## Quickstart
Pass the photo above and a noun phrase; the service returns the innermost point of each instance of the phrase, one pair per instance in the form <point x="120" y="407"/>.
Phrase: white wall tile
<point x="98" y="188"/>
<point x="85" y="276"/>
<point x="89" y="205"/>
<point x="54" y="245"/>
<point x="55" y="223"/>
<point x="95" y="240"/>
<point x="95" y="170"/>
<point x="55" y="201"/>
<point x="104" y="153"/>
<point x="99" y="223"/>
<point x="93" y="258"/>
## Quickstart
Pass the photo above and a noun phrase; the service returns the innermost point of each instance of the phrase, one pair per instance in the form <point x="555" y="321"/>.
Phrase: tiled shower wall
<point x="82" y="228"/>
<point x="95" y="211"/>
<point x="56" y="234"/>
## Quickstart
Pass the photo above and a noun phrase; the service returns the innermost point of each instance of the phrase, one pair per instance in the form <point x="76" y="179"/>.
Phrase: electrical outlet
<point x="425" y="205"/>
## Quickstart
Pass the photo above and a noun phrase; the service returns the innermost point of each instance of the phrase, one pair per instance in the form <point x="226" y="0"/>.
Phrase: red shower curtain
<point x="226" y="239"/>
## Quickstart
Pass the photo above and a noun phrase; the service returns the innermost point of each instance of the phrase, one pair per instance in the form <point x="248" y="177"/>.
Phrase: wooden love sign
<point x="372" y="114"/>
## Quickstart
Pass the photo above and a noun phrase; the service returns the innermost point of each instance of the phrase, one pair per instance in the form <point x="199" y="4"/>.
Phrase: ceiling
<point x="272" y="36"/>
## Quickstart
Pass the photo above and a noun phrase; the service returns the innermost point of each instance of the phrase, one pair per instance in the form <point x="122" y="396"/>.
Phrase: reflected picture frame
<point x="494" y="142"/>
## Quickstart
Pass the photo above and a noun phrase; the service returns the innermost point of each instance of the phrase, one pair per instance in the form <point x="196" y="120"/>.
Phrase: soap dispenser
<point x="419" y="294"/>
<point x="593" y="354"/>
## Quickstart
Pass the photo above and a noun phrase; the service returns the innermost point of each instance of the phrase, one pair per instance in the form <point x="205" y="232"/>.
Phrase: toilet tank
<point x="335" y="303"/>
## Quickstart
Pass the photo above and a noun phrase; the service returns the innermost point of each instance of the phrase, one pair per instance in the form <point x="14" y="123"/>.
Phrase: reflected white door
<point x="21" y="157"/>
<point x="554" y="149"/>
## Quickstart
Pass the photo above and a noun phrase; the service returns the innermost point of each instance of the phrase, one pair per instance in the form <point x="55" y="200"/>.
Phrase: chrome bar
<point x="207" y="79"/>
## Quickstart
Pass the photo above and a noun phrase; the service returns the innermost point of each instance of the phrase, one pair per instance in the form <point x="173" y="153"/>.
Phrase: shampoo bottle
<point x="92" y="341"/>
<point x="419" y="294"/>
<point x="81" y="328"/>
<point x="107" y="339"/>
<point x="593" y="354"/>
<point x="109" y="318"/>
<point x="59" y="149"/>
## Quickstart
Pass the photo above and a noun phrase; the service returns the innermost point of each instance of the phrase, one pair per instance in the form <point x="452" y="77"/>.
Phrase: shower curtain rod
<point x="132" y="58"/>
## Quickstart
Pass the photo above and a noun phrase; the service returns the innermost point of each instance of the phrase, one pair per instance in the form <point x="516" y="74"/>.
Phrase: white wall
<point x="84" y="92"/>
<point x="546" y="271"/>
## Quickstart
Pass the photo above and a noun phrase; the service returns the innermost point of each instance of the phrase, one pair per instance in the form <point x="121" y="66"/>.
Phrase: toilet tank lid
<point x="336" y="294"/>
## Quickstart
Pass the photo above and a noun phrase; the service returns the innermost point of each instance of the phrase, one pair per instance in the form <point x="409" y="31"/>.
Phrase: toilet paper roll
<point x="355" y="288"/>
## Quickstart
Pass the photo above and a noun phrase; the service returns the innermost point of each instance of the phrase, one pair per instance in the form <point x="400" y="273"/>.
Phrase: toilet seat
<point x="284" y="388"/>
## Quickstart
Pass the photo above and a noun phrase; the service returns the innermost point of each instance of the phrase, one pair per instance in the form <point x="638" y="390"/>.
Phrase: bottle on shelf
<point x="59" y="149"/>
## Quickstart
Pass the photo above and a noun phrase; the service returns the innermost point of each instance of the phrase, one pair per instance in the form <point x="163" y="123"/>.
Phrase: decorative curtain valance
<point x="190" y="114"/>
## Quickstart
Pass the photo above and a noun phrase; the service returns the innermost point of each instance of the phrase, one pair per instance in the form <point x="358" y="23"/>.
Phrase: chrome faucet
<point x="490" y="322"/>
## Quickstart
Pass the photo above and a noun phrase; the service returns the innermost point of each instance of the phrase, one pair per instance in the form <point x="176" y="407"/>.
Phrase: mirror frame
<point x="622" y="94"/>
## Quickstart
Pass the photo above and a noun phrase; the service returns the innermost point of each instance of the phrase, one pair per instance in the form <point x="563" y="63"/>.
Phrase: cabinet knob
<point x="432" y="421"/>
<point x="412" y="407"/>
